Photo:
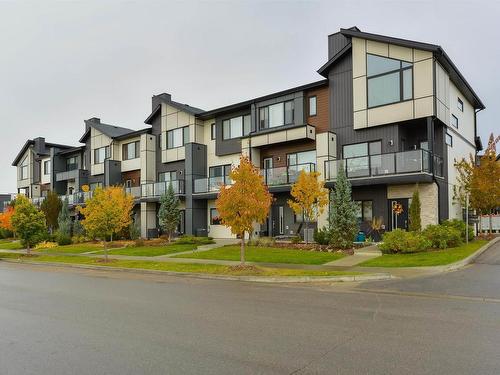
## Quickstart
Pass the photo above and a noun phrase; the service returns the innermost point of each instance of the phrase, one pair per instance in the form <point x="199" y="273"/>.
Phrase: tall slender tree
<point x="415" y="224"/>
<point x="64" y="219"/>
<point x="169" y="214"/>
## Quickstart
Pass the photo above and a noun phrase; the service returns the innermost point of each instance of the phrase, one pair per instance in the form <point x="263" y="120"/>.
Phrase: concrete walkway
<point x="360" y="255"/>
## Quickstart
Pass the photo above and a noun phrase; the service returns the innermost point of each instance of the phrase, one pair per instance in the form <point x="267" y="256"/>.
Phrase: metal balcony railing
<point x="405" y="162"/>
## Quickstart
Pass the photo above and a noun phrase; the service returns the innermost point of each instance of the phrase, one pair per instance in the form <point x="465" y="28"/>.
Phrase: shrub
<point x="79" y="239"/>
<point x="45" y="245"/>
<point x="460" y="226"/>
<point x="262" y="241"/>
<point x="63" y="239"/>
<point x="134" y="231"/>
<point x="139" y="242"/>
<point x="400" y="241"/>
<point x="185" y="239"/>
<point x="5" y="233"/>
<point x="321" y="236"/>
<point x="296" y="240"/>
<point x="442" y="236"/>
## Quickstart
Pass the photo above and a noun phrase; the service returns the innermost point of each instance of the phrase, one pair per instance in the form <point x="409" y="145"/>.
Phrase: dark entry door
<point x="399" y="221"/>
<point x="277" y="220"/>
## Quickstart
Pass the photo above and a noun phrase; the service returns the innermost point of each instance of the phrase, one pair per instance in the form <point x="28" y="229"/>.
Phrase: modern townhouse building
<point x="392" y="113"/>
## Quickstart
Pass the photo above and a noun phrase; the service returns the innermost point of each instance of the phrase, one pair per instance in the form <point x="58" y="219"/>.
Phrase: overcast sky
<point x="61" y="62"/>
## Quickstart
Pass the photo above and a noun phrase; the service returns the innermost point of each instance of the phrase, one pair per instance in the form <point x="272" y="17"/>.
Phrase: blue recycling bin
<point x="361" y="237"/>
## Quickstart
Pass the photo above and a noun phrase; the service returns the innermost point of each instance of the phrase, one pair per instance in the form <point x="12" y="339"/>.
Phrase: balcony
<point x="383" y="165"/>
<point x="210" y="184"/>
<point x="70" y="174"/>
<point x="134" y="191"/>
<point x="157" y="189"/>
<point x="285" y="175"/>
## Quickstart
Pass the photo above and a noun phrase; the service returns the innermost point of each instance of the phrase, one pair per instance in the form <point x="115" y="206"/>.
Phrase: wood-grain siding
<point x="322" y="119"/>
<point x="279" y="152"/>
<point x="134" y="176"/>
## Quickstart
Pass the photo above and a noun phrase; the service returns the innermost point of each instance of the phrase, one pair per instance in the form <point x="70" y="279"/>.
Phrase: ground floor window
<point x="364" y="211"/>
<point x="214" y="217"/>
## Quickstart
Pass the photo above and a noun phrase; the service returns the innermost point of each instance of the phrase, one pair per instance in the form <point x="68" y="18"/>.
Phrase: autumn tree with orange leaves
<point x="309" y="198"/>
<point x="6" y="218"/>
<point x="245" y="202"/>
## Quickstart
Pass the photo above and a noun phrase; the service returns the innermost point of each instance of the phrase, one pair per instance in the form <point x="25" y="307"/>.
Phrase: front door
<point x="277" y="220"/>
<point x="398" y="220"/>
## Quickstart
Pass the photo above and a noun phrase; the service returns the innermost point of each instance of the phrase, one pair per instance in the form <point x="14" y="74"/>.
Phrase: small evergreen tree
<point x="78" y="229"/>
<point x="51" y="207"/>
<point x="169" y="214"/>
<point x="64" y="220"/>
<point x="342" y="220"/>
<point x="415" y="224"/>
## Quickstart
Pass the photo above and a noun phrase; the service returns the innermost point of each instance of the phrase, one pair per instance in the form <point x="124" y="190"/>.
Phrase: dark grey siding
<point x="196" y="209"/>
<point x="336" y="42"/>
<point x="112" y="172"/>
<point x="378" y="195"/>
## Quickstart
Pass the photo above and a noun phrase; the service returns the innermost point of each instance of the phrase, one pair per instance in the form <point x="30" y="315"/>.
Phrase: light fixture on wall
<point x="391" y="143"/>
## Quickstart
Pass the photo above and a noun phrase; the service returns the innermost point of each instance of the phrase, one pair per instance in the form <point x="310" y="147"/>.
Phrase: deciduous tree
<point x="169" y="215"/>
<point x="107" y="213"/>
<point x="28" y="223"/>
<point x="309" y="197"/>
<point x="6" y="218"/>
<point x="245" y="202"/>
<point x="51" y="207"/>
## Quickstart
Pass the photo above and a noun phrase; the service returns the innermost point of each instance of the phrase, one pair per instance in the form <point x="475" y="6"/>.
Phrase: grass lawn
<point x="10" y="245"/>
<point x="152" y="251"/>
<point x="177" y="267"/>
<point x="76" y="248"/>
<point x="431" y="258"/>
<point x="266" y="255"/>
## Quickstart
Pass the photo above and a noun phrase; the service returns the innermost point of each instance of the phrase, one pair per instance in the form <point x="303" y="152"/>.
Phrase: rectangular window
<point x="212" y="132"/>
<point x="100" y="154"/>
<point x="449" y="140"/>
<point x="24" y="169"/>
<point x="362" y="149"/>
<point x="236" y="127"/>
<point x="303" y="157"/>
<point x="219" y="170"/>
<point x="159" y="141"/>
<point x="95" y="185"/>
<point x="276" y="115"/>
<point x="46" y="167"/>
<point x="460" y="104"/>
<point x="131" y="150"/>
<point x="364" y="211"/>
<point x="71" y="163"/>
<point x="454" y="121"/>
<point x="214" y="217"/>
<point x="167" y="176"/>
<point x="312" y="106"/>
<point x="177" y="137"/>
<point x="389" y="80"/>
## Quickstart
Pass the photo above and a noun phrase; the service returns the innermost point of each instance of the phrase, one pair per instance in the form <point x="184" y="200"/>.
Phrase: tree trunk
<point x="242" y="249"/>
<point x="480" y="223"/>
<point x="306" y="227"/>
<point x="28" y="250"/>
<point x="491" y="224"/>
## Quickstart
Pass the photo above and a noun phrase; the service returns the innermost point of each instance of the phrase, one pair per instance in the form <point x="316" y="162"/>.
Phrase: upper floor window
<point x="454" y="121"/>
<point x="212" y="132"/>
<point x="71" y="163"/>
<point x="24" y="168"/>
<point x="131" y="150"/>
<point x="235" y="127"/>
<point x="460" y="104"/>
<point x="312" y="106"/>
<point x="95" y="185"/>
<point x="167" y="176"/>
<point x="219" y="170"/>
<point x="46" y="167"/>
<point x="178" y="137"/>
<point x="100" y="154"/>
<point x="449" y="140"/>
<point x="275" y="115"/>
<point x="303" y="157"/>
<point x="388" y="80"/>
<point x="362" y="149"/>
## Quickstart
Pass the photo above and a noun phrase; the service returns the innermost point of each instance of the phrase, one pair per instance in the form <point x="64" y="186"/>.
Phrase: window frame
<point x="454" y="123"/>
<point x="460" y="104"/>
<point x="367" y="148"/>
<point x="217" y="221"/>
<point x="244" y="134"/>
<point x="46" y="171"/>
<point x="449" y="137"/>
<point x="184" y="130"/>
<point x="107" y="154"/>
<point x="401" y="71"/>
<point x="363" y="201"/>
<point x="315" y="97"/>
<point x="213" y="132"/>
<point x="296" y="154"/>
<point x="137" y="150"/>
<point x="171" y="173"/>
<point x="24" y="168"/>
<point x="264" y="111"/>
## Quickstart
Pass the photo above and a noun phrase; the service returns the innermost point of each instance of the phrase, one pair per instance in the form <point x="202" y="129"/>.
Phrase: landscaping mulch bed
<point x="311" y="247"/>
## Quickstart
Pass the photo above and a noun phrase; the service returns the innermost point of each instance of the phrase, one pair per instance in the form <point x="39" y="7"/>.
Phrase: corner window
<point x="449" y="140"/>
<point x="214" y="217"/>
<point x="236" y="127"/>
<point x="454" y="121"/>
<point x="46" y="167"/>
<point x="460" y="104"/>
<point x="312" y="106"/>
<point x="177" y="137"/>
<point x="131" y="150"/>
<point x="100" y="154"/>
<point x="276" y="115"/>
<point x="212" y="132"/>
<point x="24" y="169"/>
<point x="388" y="80"/>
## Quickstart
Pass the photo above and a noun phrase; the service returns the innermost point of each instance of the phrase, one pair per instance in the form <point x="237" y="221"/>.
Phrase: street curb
<point x="259" y="279"/>
<point x="471" y="258"/>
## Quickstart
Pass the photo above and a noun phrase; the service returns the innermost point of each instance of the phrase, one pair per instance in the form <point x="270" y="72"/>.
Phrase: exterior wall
<point x="279" y="152"/>
<point x="23" y="183"/>
<point x="131" y="164"/>
<point x="98" y="140"/>
<point x="148" y="158"/>
<point x="133" y="176"/>
<point x="428" y="198"/>
<point x="322" y="119"/>
<point x="173" y="118"/>
<point x="422" y="104"/>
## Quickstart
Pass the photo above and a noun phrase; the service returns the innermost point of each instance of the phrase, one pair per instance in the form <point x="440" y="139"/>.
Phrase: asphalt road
<point x="65" y="321"/>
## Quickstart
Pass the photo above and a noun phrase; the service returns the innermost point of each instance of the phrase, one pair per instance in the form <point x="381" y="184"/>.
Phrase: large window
<point x="214" y="217"/>
<point x="178" y="137"/>
<point x="71" y="163"/>
<point x="312" y="106"/>
<point x="100" y="154"/>
<point x="389" y="80"/>
<point x="364" y="211"/>
<point x="24" y="169"/>
<point x="131" y="150"/>
<point x="46" y="167"/>
<point x="303" y="157"/>
<point x="167" y="176"/>
<point x="220" y="170"/>
<point x="276" y="115"/>
<point x="360" y="157"/>
<point x="95" y="185"/>
<point x="235" y="127"/>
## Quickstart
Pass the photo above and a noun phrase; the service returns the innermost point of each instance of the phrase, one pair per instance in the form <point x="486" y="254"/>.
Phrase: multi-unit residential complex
<point x="392" y="113"/>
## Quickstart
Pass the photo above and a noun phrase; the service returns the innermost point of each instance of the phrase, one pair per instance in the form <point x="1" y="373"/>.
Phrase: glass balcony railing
<point x="285" y="175"/>
<point x="134" y="191"/>
<point x="157" y="189"/>
<point x="210" y="184"/>
<point x="414" y="161"/>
